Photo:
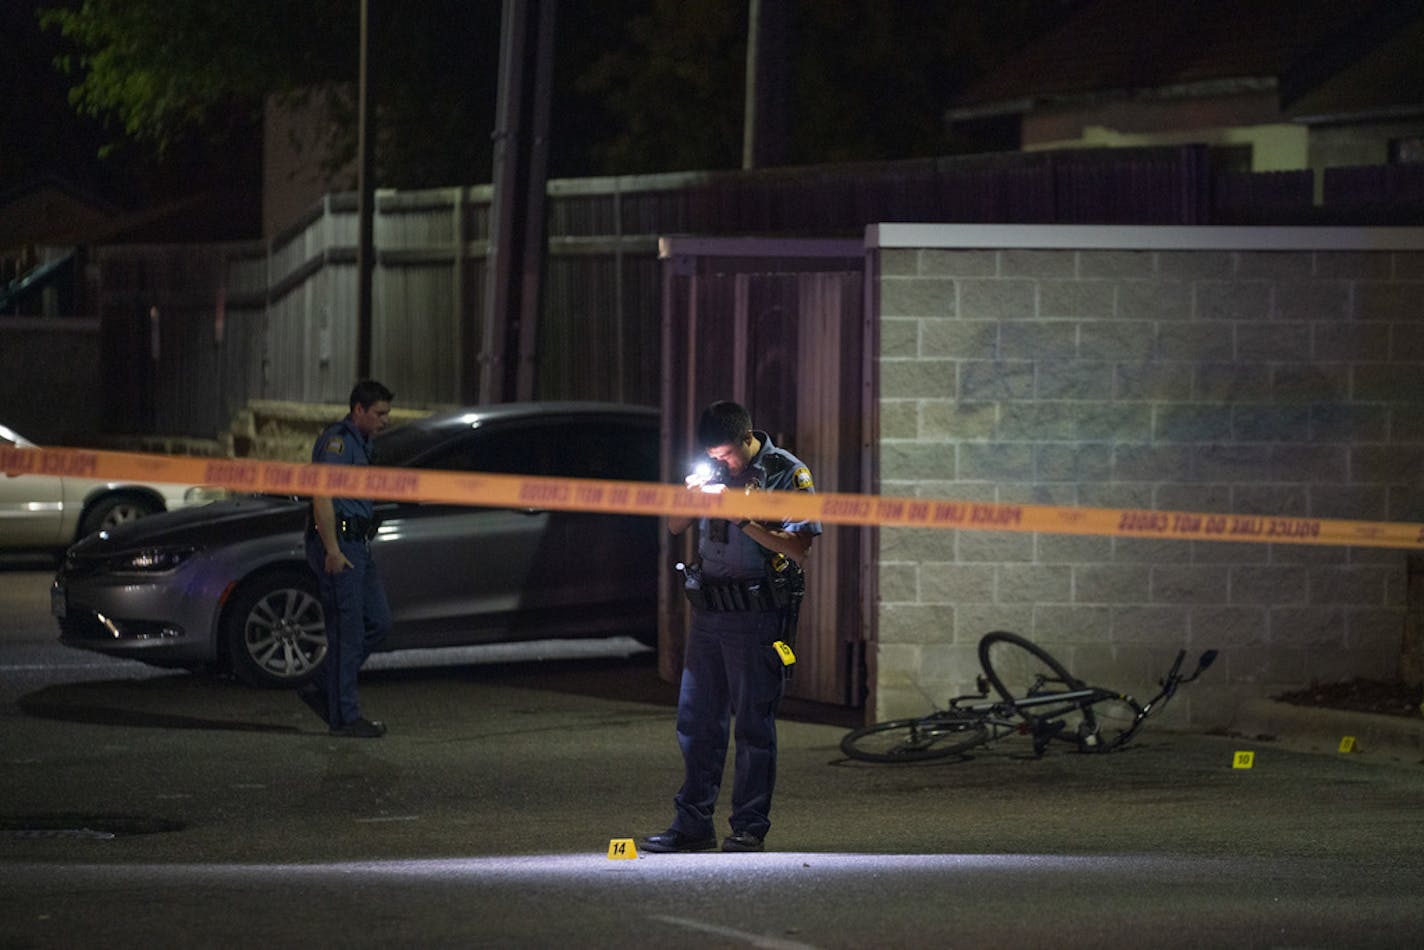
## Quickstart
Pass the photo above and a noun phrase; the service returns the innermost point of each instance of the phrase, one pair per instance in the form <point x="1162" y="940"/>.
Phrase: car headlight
<point x="202" y="494"/>
<point x="150" y="560"/>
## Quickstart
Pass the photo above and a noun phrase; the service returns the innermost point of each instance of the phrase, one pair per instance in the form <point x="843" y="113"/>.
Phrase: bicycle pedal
<point x="1044" y="733"/>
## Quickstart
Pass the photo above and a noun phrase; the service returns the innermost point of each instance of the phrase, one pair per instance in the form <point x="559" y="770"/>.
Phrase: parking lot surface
<point x="169" y="809"/>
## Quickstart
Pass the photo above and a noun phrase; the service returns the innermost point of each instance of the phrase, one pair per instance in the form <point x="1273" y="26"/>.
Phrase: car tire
<point x="113" y="510"/>
<point x="274" y="630"/>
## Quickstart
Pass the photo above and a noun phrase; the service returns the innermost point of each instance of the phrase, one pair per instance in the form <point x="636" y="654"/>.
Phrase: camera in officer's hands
<point x="708" y="475"/>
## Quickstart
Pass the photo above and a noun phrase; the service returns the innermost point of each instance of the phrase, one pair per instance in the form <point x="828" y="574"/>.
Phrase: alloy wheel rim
<point x="285" y="633"/>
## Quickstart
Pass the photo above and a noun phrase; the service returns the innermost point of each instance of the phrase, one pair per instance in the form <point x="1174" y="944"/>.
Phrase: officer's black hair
<point x="368" y="392"/>
<point x="723" y="423"/>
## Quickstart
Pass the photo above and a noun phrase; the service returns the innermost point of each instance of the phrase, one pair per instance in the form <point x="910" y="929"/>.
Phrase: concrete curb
<point x="1321" y="730"/>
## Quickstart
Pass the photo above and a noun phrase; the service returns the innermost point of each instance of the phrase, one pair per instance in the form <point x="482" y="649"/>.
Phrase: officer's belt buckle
<point x="355" y="529"/>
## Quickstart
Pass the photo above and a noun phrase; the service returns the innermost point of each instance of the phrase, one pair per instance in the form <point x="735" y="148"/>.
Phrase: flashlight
<point x="707" y="476"/>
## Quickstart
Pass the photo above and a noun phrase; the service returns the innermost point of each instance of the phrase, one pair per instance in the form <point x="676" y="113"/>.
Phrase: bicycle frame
<point x="1102" y="719"/>
<point x="1020" y="714"/>
<point x="1043" y="715"/>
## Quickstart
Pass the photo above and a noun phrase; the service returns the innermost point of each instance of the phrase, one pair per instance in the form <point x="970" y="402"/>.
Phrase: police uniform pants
<point x="357" y="621"/>
<point x="731" y="669"/>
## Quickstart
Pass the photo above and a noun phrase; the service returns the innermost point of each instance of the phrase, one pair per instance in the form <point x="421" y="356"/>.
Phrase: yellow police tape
<point x="648" y="498"/>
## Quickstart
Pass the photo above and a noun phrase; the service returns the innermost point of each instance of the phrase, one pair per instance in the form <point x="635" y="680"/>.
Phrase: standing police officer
<point x="338" y="551"/>
<point x="747" y="582"/>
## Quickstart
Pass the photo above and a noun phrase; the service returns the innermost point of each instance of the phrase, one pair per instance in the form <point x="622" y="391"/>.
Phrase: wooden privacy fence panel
<point x="44" y="404"/>
<point x="291" y="301"/>
<point x="782" y="334"/>
<point x="167" y="339"/>
<point x="1243" y="193"/>
<point x="607" y="345"/>
<point x="414" y="328"/>
<point x="1103" y="188"/>
<point x="1393" y="193"/>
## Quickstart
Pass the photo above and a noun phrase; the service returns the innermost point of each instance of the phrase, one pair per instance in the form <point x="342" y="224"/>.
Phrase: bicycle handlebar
<point x="1174" y="678"/>
<point x="1172" y="674"/>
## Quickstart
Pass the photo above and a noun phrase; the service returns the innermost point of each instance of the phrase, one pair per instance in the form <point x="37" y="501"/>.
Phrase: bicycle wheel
<point x="1020" y="669"/>
<point x="913" y="740"/>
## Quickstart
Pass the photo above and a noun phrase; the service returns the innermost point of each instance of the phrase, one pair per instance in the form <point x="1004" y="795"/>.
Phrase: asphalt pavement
<point x="176" y="810"/>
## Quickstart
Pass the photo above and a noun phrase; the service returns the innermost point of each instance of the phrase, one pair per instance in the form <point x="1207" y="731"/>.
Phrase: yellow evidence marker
<point x="1243" y="760"/>
<point x="1347" y="744"/>
<point x="622" y="849"/>
<point x="784" y="651"/>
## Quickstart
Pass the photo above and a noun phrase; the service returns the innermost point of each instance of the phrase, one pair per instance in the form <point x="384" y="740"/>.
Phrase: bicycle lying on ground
<point x="1037" y="697"/>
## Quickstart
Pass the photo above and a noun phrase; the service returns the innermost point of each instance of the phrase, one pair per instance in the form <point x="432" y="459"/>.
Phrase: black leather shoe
<point x="360" y="729"/>
<point x="742" y="841"/>
<point x="675" y="841"/>
<point x="315" y="700"/>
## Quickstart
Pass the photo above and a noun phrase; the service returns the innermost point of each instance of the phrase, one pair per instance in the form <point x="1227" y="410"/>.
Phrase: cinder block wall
<point x="1232" y="370"/>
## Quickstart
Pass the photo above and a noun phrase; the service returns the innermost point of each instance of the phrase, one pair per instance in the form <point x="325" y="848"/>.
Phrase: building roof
<point x="46" y="210"/>
<point x="1131" y="46"/>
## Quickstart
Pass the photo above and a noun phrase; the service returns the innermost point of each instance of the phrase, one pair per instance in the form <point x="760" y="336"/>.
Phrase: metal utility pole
<point x="365" y="204"/>
<point x="515" y="262"/>
<point x="766" y="117"/>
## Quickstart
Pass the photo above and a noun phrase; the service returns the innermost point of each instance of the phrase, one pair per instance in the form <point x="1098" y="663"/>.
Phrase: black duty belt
<point x="355" y="529"/>
<point x="730" y="595"/>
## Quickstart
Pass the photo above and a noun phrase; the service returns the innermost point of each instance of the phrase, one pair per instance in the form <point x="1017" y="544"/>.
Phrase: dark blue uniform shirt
<point x="739" y="556"/>
<point x="341" y="443"/>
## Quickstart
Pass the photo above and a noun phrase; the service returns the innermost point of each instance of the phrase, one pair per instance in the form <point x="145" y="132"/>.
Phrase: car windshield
<point x="573" y="447"/>
<point x="396" y="447"/>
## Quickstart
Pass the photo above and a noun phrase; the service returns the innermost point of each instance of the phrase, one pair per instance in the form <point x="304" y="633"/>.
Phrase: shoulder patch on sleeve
<point x="335" y="445"/>
<point x="802" y="476"/>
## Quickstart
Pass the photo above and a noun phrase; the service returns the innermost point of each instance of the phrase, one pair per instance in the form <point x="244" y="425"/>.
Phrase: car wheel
<point x="275" y="630"/>
<point x="113" y="510"/>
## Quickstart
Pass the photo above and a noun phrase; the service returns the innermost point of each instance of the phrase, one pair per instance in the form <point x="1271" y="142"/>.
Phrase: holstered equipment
<point x="348" y="529"/>
<point x="355" y="529"/>
<point x="775" y="591"/>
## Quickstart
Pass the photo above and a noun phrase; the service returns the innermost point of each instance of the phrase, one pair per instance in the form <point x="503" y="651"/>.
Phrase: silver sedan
<point x="227" y="585"/>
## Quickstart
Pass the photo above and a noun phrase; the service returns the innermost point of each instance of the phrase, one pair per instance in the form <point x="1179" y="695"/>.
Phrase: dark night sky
<point x="41" y="135"/>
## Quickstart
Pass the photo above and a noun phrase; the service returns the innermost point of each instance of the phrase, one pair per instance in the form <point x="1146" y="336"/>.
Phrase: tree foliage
<point x="871" y="78"/>
<point x="165" y="70"/>
<point x="640" y="85"/>
<point x="674" y="89"/>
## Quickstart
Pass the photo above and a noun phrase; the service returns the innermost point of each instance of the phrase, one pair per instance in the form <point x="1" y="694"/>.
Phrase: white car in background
<point x="52" y="512"/>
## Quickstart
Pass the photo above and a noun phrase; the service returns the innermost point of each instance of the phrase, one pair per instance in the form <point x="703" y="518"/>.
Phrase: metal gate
<point x="777" y="325"/>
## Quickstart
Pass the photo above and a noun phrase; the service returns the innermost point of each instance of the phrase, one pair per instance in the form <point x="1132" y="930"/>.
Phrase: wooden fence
<point x="192" y="333"/>
<point x="777" y="325"/>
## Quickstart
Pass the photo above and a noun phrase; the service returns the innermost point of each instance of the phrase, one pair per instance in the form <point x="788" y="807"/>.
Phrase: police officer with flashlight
<point x="743" y="592"/>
